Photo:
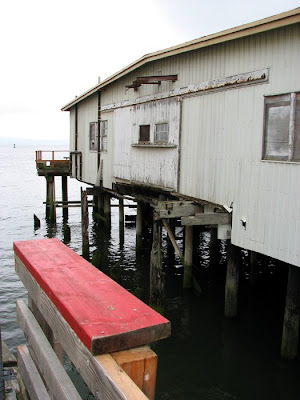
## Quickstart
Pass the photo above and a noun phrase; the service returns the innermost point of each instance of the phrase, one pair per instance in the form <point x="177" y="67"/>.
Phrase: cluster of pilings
<point x="102" y="212"/>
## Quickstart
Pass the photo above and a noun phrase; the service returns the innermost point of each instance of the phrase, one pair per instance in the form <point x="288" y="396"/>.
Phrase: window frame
<point x="143" y="126"/>
<point x="103" y="137"/>
<point x="293" y="130"/>
<point x="93" y="142"/>
<point x="156" y="132"/>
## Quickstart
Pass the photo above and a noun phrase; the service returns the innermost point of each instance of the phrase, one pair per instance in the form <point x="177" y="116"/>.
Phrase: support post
<point x="290" y="333"/>
<point x="84" y="223"/>
<point x="139" y="224"/>
<point x="253" y="259"/>
<point x="50" y="200"/>
<point x="232" y="281"/>
<point x="121" y="221"/>
<point x="188" y="258"/>
<point x="64" y="187"/>
<point x="156" y="273"/>
<point x="107" y="210"/>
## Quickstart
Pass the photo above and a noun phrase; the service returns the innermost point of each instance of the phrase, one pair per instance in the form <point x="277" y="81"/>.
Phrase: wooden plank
<point x="173" y="241"/>
<point x="176" y="209"/>
<point x="104" y="315"/>
<point x="30" y="375"/>
<point x="8" y="359"/>
<point x="141" y="365"/>
<point x="103" y="376"/>
<point x="57" y="380"/>
<point x="207" y="219"/>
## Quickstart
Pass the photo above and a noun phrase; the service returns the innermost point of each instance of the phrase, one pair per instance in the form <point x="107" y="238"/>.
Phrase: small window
<point x="161" y="134"/>
<point x="282" y="127"/>
<point x="144" y="134"/>
<point x="93" y="136"/>
<point x="103" y="135"/>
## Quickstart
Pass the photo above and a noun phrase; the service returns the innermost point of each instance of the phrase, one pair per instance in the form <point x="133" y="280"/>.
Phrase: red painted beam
<point x="104" y="315"/>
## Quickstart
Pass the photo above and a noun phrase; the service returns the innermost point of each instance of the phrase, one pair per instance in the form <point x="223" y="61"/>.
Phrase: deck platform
<point x="104" y="315"/>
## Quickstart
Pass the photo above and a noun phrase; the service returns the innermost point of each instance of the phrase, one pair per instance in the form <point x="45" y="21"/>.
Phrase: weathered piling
<point x="64" y="187"/>
<point x="232" y="281"/>
<point x="84" y="223"/>
<point x="50" y="199"/>
<point x="253" y="275"/>
<point x="156" y="273"/>
<point x="290" y="334"/>
<point x="36" y="222"/>
<point x="107" y="209"/>
<point x="121" y="221"/>
<point x="139" y="225"/>
<point x="188" y="258"/>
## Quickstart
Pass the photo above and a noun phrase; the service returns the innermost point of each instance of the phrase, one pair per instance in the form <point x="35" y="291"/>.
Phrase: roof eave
<point x="277" y="21"/>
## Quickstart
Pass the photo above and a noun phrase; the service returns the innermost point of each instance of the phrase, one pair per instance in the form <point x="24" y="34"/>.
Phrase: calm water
<point x="207" y="356"/>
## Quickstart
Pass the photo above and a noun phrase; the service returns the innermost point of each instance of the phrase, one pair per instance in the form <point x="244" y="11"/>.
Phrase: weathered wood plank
<point x="8" y="359"/>
<point x="103" y="376"/>
<point x="30" y="375"/>
<point x="104" y="315"/>
<point x="141" y="365"/>
<point x="173" y="240"/>
<point x="175" y="209"/>
<point x="57" y="380"/>
<point x="207" y="219"/>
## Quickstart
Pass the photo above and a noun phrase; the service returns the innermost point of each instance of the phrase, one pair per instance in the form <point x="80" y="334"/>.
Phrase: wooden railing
<point x="75" y="307"/>
<point x="52" y="159"/>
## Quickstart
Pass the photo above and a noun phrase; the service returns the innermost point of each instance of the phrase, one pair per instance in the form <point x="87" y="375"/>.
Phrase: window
<point x="161" y="134"/>
<point x="282" y="127"/>
<point x="93" y="136"/>
<point x="103" y="135"/>
<point x="144" y="136"/>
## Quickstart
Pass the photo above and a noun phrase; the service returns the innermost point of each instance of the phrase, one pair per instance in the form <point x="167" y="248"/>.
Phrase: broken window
<point x="103" y="135"/>
<point x="282" y="127"/>
<point x="144" y="136"/>
<point x="93" y="136"/>
<point x="161" y="134"/>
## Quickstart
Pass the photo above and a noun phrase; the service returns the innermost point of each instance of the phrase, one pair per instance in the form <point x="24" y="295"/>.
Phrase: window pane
<point x="144" y="133"/>
<point x="103" y="135"/>
<point x="161" y="133"/>
<point x="277" y="130"/>
<point x="93" y="136"/>
<point x="296" y="155"/>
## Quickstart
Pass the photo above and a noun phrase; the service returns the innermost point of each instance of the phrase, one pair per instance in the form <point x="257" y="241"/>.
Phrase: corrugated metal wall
<point x="87" y="112"/>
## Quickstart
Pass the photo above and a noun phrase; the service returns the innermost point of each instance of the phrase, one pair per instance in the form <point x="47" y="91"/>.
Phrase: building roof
<point x="252" y="28"/>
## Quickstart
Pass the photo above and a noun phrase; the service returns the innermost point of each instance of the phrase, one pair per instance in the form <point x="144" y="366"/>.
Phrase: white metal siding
<point x="153" y="165"/>
<point x="222" y="134"/>
<point x="87" y="112"/>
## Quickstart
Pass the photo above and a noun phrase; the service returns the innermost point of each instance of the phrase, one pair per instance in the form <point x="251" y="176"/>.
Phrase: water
<point x="207" y="356"/>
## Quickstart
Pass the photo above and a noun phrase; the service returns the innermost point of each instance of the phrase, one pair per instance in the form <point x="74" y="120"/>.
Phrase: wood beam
<point x="211" y="218"/>
<point x="173" y="240"/>
<point x="175" y="209"/>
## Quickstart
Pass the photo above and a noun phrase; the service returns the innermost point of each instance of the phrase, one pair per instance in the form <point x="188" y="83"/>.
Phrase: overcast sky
<point x="52" y="51"/>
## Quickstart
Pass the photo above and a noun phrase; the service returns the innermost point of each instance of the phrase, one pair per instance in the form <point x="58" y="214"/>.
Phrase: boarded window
<point x="282" y="133"/>
<point x="103" y="135"/>
<point x="144" y="136"/>
<point x="161" y="134"/>
<point x="93" y="136"/>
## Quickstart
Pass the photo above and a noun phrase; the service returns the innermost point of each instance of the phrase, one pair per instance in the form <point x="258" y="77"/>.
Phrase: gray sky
<point x="54" y="50"/>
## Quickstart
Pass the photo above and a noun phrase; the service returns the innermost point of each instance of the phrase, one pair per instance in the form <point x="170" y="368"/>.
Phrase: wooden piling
<point x="188" y="258"/>
<point x="139" y="225"/>
<point x="253" y="275"/>
<point x="50" y="200"/>
<point x="36" y="221"/>
<point x="64" y="187"/>
<point x="290" y="333"/>
<point x="156" y="273"/>
<point x="107" y="209"/>
<point x="232" y="281"/>
<point x="84" y="223"/>
<point x="121" y="221"/>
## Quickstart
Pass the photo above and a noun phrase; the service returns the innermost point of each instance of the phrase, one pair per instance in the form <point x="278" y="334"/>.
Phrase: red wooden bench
<point x="104" y="315"/>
